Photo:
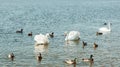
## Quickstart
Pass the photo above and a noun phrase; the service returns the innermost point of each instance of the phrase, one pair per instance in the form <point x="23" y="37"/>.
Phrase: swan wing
<point x="73" y="35"/>
<point x="41" y="38"/>
<point x="103" y="29"/>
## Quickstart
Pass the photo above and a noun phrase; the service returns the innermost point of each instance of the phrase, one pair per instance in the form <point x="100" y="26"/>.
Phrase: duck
<point x="41" y="39"/>
<point x="99" y="33"/>
<point x="72" y="36"/>
<point x="105" y="29"/>
<point x="84" y="44"/>
<point x="11" y="56"/>
<point x="51" y="34"/>
<point x="68" y="61"/>
<point x="39" y="57"/>
<point x="95" y="45"/>
<point x="91" y="60"/>
<point x="30" y="34"/>
<point x="19" y="31"/>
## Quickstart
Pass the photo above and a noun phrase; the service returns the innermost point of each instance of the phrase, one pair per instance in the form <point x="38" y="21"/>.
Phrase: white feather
<point x="73" y="35"/>
<point x="41" y="39"/>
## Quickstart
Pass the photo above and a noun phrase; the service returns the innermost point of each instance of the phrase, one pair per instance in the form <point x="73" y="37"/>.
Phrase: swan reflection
<point x="72" y="42"/>
<point x="41" y="48"/>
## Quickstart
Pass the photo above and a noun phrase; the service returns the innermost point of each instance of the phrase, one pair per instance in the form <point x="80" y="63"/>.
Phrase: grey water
<point x="58" y="16"/>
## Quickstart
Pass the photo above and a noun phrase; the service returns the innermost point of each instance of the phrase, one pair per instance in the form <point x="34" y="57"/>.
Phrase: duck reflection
<point x="41" y="48"/>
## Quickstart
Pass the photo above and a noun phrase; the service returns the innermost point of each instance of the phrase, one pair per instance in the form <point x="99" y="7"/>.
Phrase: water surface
<point x="58" y="16"/>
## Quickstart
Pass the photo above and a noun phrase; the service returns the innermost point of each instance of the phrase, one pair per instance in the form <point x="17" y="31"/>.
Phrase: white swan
<point x="72" y="36"/>
<point x="41" y="39"/>
<point x="105" y="29"/>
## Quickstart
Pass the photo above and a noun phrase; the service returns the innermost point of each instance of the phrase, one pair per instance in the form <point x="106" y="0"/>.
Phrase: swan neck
<point x="47" y="35"/>
<point x="109" y="26"/>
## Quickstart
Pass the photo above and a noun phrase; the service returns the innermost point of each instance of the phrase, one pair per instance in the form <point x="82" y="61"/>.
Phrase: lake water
<point x="58" y="16"/>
